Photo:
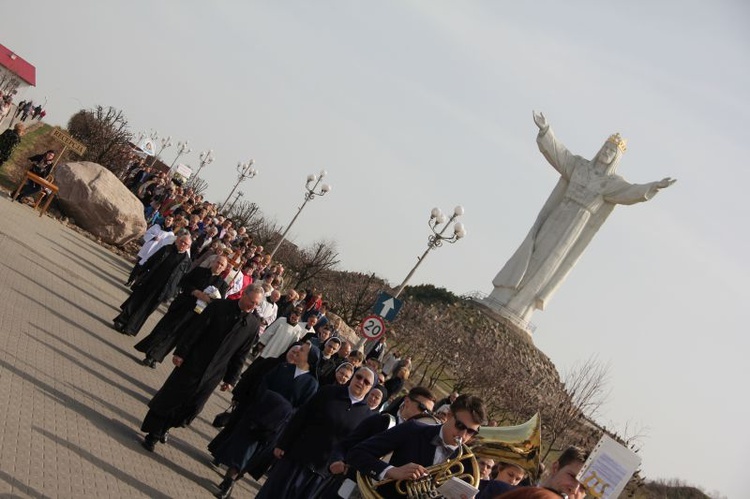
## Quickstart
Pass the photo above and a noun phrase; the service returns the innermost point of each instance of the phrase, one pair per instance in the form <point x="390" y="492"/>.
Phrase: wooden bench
<point x="44" y="184"/>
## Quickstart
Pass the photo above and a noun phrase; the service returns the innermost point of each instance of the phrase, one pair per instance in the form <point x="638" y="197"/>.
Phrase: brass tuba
<point x="519" y="445"/>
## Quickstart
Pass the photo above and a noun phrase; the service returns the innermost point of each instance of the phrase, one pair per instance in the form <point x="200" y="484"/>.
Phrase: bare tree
<point x="104" y="132"/>
<point x="310" y="262"/>
<point x="198" y="185"/>
<point x="243" y="212"/>
<point x="263" y="230"/>
<point x="350" y="294"/>
<point x="582" y="396"/>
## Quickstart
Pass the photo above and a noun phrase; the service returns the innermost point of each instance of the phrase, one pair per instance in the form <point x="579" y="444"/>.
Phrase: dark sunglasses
<point x="363" y="378"/>
<point x="421" y="406"/>
<point x="460" y="426"/>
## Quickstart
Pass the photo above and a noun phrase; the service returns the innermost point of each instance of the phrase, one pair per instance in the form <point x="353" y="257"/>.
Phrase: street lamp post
<point x="244" y="171"/>
<point x="310" y="194"/>
<point x="236" y="198"/>
<point x="141" y="135"/>
<point x="438" y="225"/>
<point x="165" y="142"/>
<point x="182" y="148"/>
<point x="436" y="239"/>
<point x="206" y="158"/>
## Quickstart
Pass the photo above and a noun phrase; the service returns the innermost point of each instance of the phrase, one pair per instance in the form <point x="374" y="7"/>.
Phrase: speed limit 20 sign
<point x="373" y="327"/>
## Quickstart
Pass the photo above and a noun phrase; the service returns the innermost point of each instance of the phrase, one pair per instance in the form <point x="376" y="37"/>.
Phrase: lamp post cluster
<point x="165" y="142"/>
<point x="206" y="158"/>
<point x="311" y="192"/>
<point x="182" y="148"/>
<point x="244" y="171"/>
<point x="438" y="224"/>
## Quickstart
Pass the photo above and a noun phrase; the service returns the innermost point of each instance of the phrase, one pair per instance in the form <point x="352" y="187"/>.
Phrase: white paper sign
<point x="608" y="469"/>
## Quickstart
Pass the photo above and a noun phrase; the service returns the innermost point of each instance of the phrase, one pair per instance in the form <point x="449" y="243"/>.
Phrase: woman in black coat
<point x="266" y="415"/>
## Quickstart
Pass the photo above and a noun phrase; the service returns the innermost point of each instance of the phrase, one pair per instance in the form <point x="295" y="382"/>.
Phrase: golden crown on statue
<point x="617" y="140"/>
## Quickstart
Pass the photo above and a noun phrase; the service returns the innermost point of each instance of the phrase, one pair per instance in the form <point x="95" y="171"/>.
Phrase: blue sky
<point x="411" y="105"/>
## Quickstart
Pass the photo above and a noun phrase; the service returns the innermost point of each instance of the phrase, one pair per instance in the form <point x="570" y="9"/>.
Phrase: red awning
<point x="18" y="65"/>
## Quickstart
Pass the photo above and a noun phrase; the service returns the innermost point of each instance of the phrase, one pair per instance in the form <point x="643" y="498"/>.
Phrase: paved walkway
<point x="72" y="393"/>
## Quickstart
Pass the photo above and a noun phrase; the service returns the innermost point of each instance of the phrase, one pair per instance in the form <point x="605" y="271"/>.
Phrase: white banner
<point x="183" y="170"/>
<point x="148" y="147"/>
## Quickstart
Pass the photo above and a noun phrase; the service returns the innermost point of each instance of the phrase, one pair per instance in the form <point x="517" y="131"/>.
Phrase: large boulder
<point x="99" y="202"/>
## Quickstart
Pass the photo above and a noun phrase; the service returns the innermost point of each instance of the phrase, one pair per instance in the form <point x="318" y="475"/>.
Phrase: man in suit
<point x="212" y="350"/>
<point x="166" y="333"/>
<point x="416" y="446"/>
<point x="416" y="405"/>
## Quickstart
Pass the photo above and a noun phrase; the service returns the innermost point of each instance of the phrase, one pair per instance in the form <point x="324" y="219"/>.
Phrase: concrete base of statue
<point x="500" y="313"/>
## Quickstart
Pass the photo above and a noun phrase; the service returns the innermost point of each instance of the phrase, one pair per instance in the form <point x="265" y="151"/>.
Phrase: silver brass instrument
<point x="519" y="445"/>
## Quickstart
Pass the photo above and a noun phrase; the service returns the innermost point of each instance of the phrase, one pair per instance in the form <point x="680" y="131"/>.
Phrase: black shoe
<point x="225" y="488"/>
<point x="149" y="362"/>
<point x="149" y="442"/>
<point x="165" y="437"/>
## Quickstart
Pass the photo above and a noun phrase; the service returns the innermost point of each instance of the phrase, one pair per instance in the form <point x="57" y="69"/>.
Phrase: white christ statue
<point x="581" y="201"/>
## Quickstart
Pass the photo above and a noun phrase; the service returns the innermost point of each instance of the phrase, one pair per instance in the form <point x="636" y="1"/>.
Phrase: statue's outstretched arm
<point x="540" y="122"/>
<point x="664" y="183"/>
<point x="553" y="150"/>
<point x="622" y="192"/>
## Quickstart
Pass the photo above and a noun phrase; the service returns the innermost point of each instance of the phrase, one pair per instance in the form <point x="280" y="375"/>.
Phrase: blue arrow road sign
<point x="387" y="306"/>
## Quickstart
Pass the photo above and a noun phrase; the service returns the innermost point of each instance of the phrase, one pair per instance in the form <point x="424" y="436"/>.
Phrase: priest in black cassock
<point x="167" y="331"/>
<point x="162" y="273"/>
<point x="305" y="445"/>
<point x="212" y="350"/>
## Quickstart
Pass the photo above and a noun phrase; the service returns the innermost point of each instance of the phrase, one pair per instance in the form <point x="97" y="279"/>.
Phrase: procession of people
<point x="309" y="411"/>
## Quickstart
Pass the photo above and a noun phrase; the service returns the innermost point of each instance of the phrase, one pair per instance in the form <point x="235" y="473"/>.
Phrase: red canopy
<point x="17" y="65"/>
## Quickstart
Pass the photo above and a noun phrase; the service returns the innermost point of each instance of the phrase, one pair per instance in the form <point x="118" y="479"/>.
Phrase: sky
<point x="413" y="105"/>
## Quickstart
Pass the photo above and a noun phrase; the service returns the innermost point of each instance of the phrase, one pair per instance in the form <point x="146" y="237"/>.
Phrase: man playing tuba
<point x="415" y="447"/>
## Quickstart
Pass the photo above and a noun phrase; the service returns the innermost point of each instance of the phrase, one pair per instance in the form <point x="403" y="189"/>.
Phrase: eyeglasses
<point x="363" y="378"/>
<point x="420" y="405"/>
<point x="460" y="426"/>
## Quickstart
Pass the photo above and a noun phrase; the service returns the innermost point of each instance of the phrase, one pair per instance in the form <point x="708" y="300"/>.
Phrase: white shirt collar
<point x="442" y="437"/>
<point x="353" y="399"/>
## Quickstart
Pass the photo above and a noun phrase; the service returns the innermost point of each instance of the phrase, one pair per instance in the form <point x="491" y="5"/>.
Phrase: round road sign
<point x="373" y="327"/>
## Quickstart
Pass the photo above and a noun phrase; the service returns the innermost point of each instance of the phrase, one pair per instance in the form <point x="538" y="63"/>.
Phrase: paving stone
<point x="72" y="394"/>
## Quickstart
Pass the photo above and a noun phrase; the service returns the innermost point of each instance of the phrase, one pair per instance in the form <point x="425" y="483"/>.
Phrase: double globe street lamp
<point x="438" y="224"/>
<point x="165" y="142"/>
<point x="206" y="158"/>
<point x="182" y="148"/>
<point x="310" y="194"/>
<point x="244" y="171"/>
